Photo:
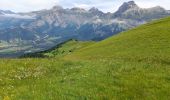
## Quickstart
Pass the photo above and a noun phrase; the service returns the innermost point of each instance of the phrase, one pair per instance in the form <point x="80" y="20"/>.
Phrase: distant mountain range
<point x="40" y="30"/>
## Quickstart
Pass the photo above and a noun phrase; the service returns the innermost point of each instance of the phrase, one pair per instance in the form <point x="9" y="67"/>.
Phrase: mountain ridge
<point x="58" y="23"/>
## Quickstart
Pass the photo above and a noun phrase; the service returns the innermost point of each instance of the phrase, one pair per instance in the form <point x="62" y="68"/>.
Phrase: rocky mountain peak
<point x="125" y="7"/>
<point x="96" y="11"/>
<point x="77" y="9"/>
<point x="128" y="5"/>
<point x="6" y="12"/>
<point x="93" y="9"/>
<point x="159" y="8"/>
<point x="57" y="7"/>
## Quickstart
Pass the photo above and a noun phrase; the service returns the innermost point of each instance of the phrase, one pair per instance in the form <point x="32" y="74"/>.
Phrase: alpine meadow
<point x="130" y="63"/>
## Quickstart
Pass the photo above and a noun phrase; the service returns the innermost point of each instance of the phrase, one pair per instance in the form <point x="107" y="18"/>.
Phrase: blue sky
<point x="104" y="5"/>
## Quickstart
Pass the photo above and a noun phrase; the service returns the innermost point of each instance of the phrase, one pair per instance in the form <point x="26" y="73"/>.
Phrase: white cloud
<point x="152" y="3"/>
<point x="86" y="6"/>
<point x="105" y="5"/>
<point x="26" y="5"/>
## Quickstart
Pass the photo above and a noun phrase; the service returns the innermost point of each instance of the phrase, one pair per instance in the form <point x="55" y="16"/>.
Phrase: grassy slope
<point x="114" y="71"/>
<point x="150" y="41"/>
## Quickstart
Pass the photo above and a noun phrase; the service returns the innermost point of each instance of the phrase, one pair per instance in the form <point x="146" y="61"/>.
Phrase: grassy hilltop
<point x="133" y="65"/>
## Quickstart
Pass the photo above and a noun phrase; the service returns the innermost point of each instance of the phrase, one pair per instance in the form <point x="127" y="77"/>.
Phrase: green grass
<point x="133" y="65"/>
<point x="51" y="79"/>
<point x="150" y="41"/>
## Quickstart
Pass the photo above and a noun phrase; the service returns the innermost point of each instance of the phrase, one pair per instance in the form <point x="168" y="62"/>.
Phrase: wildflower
<point x="6" y="98"/>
